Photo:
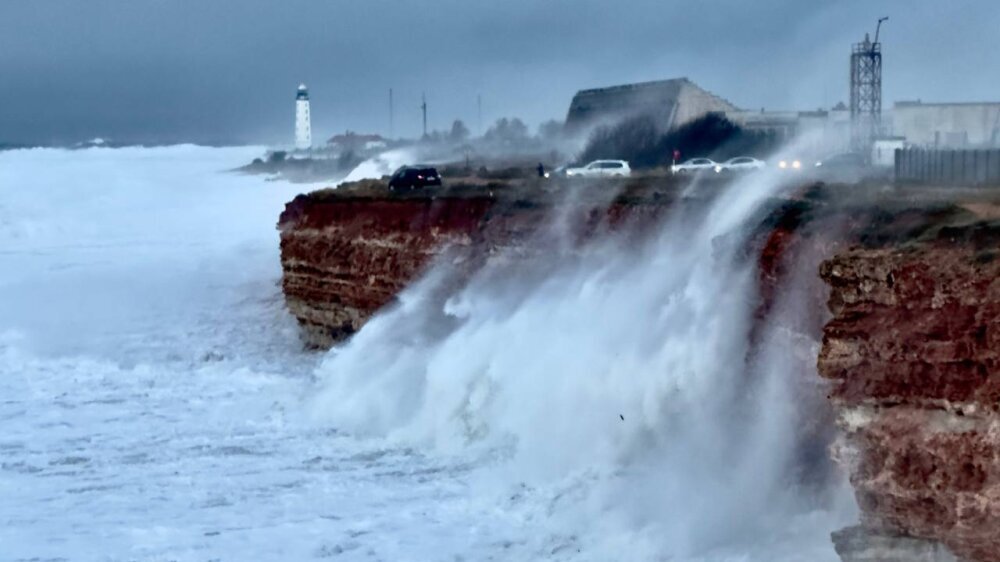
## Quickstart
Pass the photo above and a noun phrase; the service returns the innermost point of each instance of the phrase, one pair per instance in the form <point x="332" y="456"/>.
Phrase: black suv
<point x="413" y="177"/>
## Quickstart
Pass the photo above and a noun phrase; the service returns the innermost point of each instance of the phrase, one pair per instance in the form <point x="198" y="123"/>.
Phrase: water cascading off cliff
<point x="631" y="378"/>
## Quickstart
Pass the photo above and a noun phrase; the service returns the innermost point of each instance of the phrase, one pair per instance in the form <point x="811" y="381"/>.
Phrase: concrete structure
<point x="671" y="103"/>
<point x="821" y="132"/>
<point x="303" y="124"/>
<point x="948" y="125"/>
<point x="674" y="102"/>
<point x="884" y="151"/>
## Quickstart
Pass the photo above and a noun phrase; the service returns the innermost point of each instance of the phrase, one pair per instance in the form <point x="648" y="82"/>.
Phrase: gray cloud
<point x="226" y="70"/>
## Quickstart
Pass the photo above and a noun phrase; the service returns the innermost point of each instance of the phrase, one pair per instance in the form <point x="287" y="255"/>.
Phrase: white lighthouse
<point x="303" y="128"/>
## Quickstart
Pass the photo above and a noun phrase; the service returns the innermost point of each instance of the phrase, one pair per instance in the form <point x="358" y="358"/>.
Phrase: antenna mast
<point x="866" y="91"/>
<point x="879" y="27"/>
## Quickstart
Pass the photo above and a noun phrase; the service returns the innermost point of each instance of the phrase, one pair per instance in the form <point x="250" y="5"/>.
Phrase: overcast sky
<point x="226" y="70"/>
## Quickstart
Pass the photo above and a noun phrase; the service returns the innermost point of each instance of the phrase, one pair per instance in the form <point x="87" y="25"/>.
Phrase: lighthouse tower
<point x="303" y="128"/>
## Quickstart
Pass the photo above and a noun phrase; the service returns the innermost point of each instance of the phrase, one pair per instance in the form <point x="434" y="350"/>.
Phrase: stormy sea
<point x="156" y="402"/>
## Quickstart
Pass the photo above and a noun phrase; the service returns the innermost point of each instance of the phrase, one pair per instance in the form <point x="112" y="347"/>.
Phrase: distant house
<point x="354" y="142"/>
<point x="671" y="103"/>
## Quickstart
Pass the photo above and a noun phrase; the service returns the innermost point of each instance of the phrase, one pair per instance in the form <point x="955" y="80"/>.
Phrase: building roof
<point x="919" y="103"/>
<point x="659" y="98"/>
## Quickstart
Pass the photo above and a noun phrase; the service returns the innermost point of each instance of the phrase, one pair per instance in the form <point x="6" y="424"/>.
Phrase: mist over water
<point x="383" y="164"/>
<point x="157" y="404"/>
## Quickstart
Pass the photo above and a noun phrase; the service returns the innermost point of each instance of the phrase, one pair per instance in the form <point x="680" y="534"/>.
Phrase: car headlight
<point x="782" y="164"/>
<point x="796" y="164"/>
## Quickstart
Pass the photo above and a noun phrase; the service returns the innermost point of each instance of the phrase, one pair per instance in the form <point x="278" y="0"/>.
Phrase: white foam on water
<point x="151" y="381"/>
<point x="152" y="389"/>
<point x="383" y="164"/>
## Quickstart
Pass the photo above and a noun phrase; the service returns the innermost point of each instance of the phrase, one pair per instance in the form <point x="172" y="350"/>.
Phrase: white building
<point x="819" y="133"/>
<point x="948" y="125"/>
<point x="303" y="126"/>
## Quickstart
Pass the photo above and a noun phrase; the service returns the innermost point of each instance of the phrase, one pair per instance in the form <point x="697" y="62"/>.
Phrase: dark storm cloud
<point x="226" y="70"/>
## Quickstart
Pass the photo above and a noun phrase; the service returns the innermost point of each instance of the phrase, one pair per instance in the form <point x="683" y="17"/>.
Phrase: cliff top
<point x="878" y="212"/>
<point x="525" y="189"/>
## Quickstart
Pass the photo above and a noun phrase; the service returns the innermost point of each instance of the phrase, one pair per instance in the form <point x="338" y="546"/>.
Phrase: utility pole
<point x="423" y="107"/>
<point x="391" y="116"/>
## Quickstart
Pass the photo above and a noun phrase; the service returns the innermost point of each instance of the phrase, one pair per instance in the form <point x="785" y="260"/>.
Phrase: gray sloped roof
<point x="661" y="99"/>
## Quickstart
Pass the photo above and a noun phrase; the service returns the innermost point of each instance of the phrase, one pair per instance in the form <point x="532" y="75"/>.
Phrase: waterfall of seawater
<point x="618" y="378"/>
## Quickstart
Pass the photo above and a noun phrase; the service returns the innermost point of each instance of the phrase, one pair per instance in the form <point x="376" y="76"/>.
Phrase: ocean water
<point x="156" y="404"/>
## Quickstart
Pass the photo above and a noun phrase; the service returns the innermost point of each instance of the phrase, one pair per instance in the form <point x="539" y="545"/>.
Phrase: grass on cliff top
<point x="524" y="189"/>
<point x="910" y="216"/>
<point x="882" y="214"/>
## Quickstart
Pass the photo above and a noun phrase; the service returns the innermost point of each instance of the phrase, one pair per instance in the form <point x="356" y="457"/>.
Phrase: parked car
<point x="694" y="166"/>
<point x="414" y="177"/>
<point x="601" y="168"/>
<point x="844" y="167"/>
<point x="741" y="164"/>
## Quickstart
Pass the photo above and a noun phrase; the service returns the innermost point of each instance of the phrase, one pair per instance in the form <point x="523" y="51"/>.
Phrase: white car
<point x="741" y="164"/>
<point x="695" y="165"/>
<point x="601" y="168"/>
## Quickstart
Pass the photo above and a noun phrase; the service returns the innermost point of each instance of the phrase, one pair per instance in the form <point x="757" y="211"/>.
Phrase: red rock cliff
<point x="913" y="355"/>
<point x="343" y="258"/>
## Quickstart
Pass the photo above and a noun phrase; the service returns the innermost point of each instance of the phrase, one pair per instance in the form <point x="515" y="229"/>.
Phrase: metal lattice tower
<point x="866" y="91"/>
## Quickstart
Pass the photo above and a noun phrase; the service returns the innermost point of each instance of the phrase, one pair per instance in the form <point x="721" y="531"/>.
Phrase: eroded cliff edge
<point x="913" y="355"/>
<point x="347" y="253"/>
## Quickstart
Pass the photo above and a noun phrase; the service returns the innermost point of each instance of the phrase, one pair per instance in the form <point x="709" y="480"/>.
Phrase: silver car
<point x="694" y="166"/>
<point x="741" y="164"/>
<point x="601" y="168"/>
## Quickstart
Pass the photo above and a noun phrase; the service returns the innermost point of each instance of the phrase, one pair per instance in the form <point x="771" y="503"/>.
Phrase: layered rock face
<point x="344" y="258"/>
<point x="913" y="355"/>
